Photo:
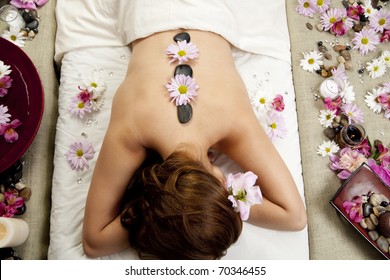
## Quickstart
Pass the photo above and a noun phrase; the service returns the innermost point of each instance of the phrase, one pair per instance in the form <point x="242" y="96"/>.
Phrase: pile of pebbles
<point x="376" y="212"/>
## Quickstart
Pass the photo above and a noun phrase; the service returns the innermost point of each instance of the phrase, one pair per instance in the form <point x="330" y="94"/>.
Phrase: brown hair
<point x="176" y="209"/>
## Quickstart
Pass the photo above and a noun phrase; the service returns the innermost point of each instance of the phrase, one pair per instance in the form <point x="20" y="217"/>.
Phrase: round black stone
<point x="320" y="43"/>
<point x="361" y="71"/>
<point x="32" y="25"/>
<point x="183" y="69"/>
<point x="183" y="36"/>
<point x="184" y="113"/>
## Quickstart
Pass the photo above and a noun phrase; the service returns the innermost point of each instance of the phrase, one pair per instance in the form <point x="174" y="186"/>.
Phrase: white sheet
<point x="260" y="72"/>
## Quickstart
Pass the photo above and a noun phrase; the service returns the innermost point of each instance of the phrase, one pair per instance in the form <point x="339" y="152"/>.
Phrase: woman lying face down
<point x="181" y="96"/>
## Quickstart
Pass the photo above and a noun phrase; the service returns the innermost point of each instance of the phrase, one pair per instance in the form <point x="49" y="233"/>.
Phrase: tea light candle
<point x="13" y="232"/>
<point x="331" y="87"/>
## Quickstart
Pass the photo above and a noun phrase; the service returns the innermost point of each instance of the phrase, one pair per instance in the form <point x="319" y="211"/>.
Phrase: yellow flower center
<point x="387" y="58"/>
<point x="328" y="117"/>
<point x="306" y="5"/>
<point x="327" y="149"/>
<point x="262" y="100"/>
<point x="382" y="21"/>
<point x="376" y="68"/>
<point x="364" y="41"/>
<point x="320" y="2"/>
<point x="311" y="61"/>
<point x="81" y="105"/>
<point x="273" y="125"/>
<point x="181" y="53"/>
<point x="13" y="37"/>
<point x="332" y="20"/>
<point x="94" y="85"/>
<point x="79" y="153"/>
<point x="182" y="89"/>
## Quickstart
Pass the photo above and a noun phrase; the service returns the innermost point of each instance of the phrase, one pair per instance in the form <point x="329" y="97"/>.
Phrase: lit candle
<point x="13" y="232"/>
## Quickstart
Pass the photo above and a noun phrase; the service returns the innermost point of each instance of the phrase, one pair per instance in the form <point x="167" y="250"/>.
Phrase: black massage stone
<point x="184" y="113"/>
<point x="181" y="37"/>
<point x="183" y="69"/>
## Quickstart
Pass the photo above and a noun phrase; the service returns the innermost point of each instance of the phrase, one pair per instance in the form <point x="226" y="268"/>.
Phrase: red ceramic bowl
<point x="25" y="101"/>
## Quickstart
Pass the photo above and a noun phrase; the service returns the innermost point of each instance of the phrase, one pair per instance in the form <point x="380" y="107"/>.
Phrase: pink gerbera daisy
<point x="79" y="154"/>
<point x="182" y="51"/>
<point x="182" y="89"/>
<point x="365" y="41"/>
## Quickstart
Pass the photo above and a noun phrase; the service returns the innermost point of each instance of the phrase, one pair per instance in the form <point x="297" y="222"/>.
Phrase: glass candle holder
<point x="351" y="135"/>
<point x="12" y="17"/>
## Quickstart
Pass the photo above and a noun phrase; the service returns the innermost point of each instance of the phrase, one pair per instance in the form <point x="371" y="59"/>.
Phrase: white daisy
<point x="326" y="117"/>
<point x="385" y="57"/>
<point x="14" y="36"/>
<point x="94" y="83"/>
<point x="372" y="101"/>
<point x="262" y="101"/>
<point x="4" y="116"/>
<point x="368" y="8"/>
<point x="4" y="69"/>
<point x="327" y="148"/>
<point x="311" y="61"/>
<point x="376" y="68"/>
<point x="97" y="102"/>
<point x="348" y="94"/>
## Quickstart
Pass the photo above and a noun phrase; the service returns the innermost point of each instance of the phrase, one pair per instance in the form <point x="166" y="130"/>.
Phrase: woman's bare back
<point x="143" y="103"/>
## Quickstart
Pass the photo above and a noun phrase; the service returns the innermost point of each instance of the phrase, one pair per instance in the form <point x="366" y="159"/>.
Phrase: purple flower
<point x="182" y="89"/>
<point x="353" y="113"/>
<point x="80" y="105"/>
<point x="182" y="51"/>
<point x="354" y="209"/>
<point x="306" y="8"/>
<point x="330" y="17"/>
<point x="380" y="21"/>
<point x="365" y="41"/>
<point x="5" y="84"/>
<point x="8" y="130"/>
<point x="275" y="126"/>
<point x="79" y="154"/>
<point x="243" y="192"/>
<point x="278" y="103"/>
<point x="28" y="4"/>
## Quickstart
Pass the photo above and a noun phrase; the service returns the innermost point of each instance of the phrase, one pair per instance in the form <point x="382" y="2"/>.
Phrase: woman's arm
<point x="120" y="155"/>
<point x="282" y="207"/>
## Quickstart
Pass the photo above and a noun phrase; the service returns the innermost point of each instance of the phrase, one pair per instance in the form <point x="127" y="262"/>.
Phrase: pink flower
<point x="182" y="89"/>
<point x="364" y="148"/>
<point x="365" y="41"/>
<point x="243" y="192"/>
<point x="385" y="36"/>
<point x="79" y="154"/>
<point x="28" y="4"/>
<point x="10" y="207"/>
<point x="5" y="84"/>
<point x="339" y="28"/>
<point x="278" y="103"/>
<point x="347" y="161"/>
<point x="355" y="12"/>
<point x="182" y="51"/>
<point x="8" y="130"/>
<point x="354" y="209"/>
<point x="384" y="99"/>
<point x="382" y="171"/>
<point x="333" y="104"/>
<point x="339" y="72"/>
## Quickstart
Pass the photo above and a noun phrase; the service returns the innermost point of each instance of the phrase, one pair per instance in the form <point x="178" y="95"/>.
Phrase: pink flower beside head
<point x="243" y="192"/>
<point x="28" y="4"/>
<point x="8" y="130"/>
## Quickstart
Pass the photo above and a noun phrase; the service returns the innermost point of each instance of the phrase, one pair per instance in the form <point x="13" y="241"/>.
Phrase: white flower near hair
<point x="243" y="192"/>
